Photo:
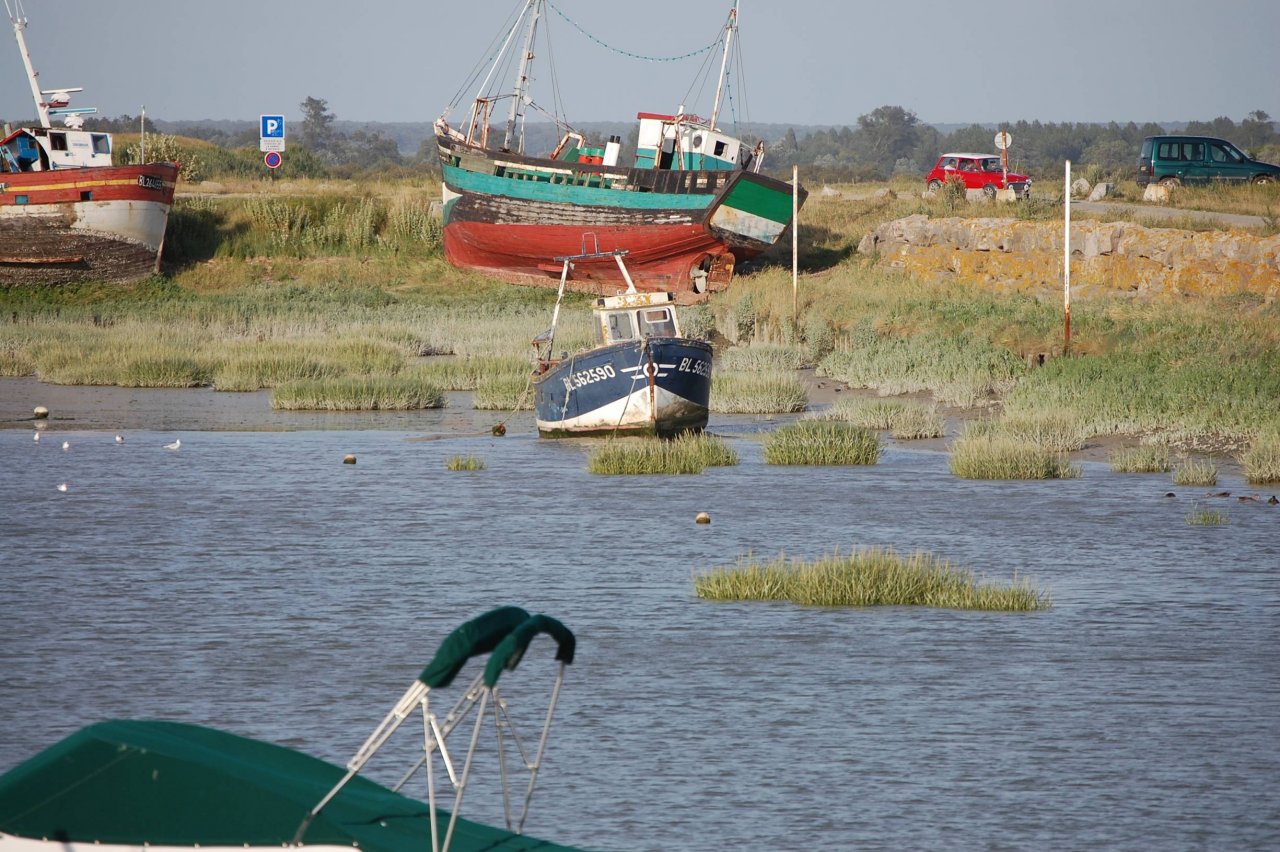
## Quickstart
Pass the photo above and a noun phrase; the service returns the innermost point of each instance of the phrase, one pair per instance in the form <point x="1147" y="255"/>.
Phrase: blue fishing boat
<point x="641" y="378"/>
<point x="128" y="785"/>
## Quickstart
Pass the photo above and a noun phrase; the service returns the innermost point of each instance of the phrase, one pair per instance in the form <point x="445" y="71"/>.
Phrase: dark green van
<point x="1199" y="159"/>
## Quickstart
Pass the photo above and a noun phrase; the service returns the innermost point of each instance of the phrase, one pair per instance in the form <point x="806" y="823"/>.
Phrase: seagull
<point x="119" y="439"/>
<point x="66" y="445"/>
<point x="62" y="487"/>
<point x="36" y="437"/>
<point x="177" y="443"/>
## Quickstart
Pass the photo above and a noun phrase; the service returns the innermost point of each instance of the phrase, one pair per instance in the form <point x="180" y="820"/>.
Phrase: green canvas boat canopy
<point x="167" y="784"/>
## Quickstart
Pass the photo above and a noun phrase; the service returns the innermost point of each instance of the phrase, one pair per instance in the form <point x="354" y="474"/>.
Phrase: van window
<point x="1220" y="153"/>
<point x="1193" y="152"/>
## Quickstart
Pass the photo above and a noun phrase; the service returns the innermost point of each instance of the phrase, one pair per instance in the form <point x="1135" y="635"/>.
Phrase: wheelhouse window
<point x="101" y="143"/>
<point x="57" y="141"/>
<point x="658" y="323"/>
<point x="620" y="327"/>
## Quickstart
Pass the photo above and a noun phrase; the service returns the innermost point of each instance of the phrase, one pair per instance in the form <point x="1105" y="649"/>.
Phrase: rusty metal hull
<point x="91" y="224"/>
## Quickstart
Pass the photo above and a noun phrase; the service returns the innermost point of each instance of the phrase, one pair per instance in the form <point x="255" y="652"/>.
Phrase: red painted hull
<point x="659" y="257"/>
<point x="102" y="223"/>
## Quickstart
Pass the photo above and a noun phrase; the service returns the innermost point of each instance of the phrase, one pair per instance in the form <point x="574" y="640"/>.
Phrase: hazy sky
<point x="806" y="61"/>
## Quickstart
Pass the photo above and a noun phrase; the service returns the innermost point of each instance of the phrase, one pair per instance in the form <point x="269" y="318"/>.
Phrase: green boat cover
<point x="509" y="651"/>
<point x="478" y="636"/>
<point x="172" y="784"/>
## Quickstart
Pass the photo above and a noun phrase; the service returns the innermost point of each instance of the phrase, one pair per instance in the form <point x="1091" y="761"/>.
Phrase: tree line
<point x="888" y="141"/>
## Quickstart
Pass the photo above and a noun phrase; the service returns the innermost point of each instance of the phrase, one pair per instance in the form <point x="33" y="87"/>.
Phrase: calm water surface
<point x="252" y="582"/>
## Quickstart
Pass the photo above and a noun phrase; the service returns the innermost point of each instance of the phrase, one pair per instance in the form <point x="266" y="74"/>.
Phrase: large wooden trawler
<point x="692" y="205"/>
<point x="67" y="212"/>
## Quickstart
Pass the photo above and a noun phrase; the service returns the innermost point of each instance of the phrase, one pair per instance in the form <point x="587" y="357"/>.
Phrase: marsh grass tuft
<point x="904" y="419"/>
<point x="503" y="392"/>
<point x="359" y="393"/>
<point x="464" y="463"/>
<point x="869" y="577"/>
<point x="685" y="454"/>
<point x="983" y="453"/>
<point x="760" y="358"/>
<point x="1151" y="458"/>
<point x="1196" y="472"/>
<point x="1261" y="461"/>
<point x="763" y="392"/>
<point x="821" y="442"/>
<point x="1207" y="518"/>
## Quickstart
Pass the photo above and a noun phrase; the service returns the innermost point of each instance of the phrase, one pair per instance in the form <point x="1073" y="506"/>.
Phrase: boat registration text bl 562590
<point x="696" y="366"/>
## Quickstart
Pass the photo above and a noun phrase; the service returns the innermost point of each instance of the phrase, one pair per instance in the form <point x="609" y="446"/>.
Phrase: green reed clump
<point x="503" y="393"/>
<point x="690" y="453"/>
<point x="1261" y="461"/>
<point x="14" y="363"/>
<point x="868" y="577"/>
<point x="1059" y="431"/>
<point x="984" y="453"/>
<point x="164" y="371"/>
<point x="1149" y="458"/>
<point x="760" y="358"/>
<point x="821" y="442"/>
<point x="464" y="463"/>
<point x="467" y="373"/>
<point x="904" y="419"/>
<point x="1207" y="518"/>
<point x="358" y="393"/>
<point x="1196" y="472"/>
<point x="272" y="366"/>
<point x="767" y="392"/>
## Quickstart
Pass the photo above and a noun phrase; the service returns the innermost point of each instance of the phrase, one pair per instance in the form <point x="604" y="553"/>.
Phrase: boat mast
<point x="522" y="76"/>
<point x="729" y="29"/>
<point x="17" y="15"/>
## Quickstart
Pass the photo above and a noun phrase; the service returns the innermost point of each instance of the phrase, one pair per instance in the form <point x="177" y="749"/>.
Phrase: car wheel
<point x="1264" y="179"/>
<point x="1170" y="182"/>
<point x="935" y="185"/>
<point x="989" y="190"/>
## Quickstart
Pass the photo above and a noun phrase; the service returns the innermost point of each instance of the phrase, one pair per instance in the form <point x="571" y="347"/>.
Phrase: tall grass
<point x="503" y="393"/>
<point x="821" y="442"/>
<point x="1207" y="518"/>
<point x="904" y="419"/>
<point x="684" y="454"/>
<point x="359" y="393"/>
<point x="765" y="392"/>
<point x="870" y="577"/>
<point x="464" y="463"/>
<point x="1196" y="472"/>
<point x="760" y="358"/>
<point x="991" y="454"/>
<point x="1261" y="461"/>
<point x="1150" y="458"/>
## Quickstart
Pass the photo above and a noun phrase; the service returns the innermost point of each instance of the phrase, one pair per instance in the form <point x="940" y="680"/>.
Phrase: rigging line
<point x="490" y="57"/>
<point x="700" y="80"/>
<point x="557" y="104"/>
<point x="642" y="57"/>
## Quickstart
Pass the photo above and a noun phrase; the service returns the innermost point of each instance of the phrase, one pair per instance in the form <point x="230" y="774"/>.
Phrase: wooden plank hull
<point x="89" y="224"/>
<point x="510" y="216"/>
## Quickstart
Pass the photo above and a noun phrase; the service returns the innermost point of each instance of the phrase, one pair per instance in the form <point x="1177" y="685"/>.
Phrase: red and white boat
<point x="67" y="213"/>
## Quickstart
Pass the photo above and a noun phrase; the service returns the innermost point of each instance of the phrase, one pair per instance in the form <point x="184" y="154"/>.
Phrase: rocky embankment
<point x="1111" y="257"/>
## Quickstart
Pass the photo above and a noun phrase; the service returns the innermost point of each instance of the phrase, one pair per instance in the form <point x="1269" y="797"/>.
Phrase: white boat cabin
<point x="42" y="149"/>
<point x="634" y="316"/>
<point x="686" y="142"/>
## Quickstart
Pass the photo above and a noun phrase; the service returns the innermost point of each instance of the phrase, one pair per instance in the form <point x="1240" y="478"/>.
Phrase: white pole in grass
<point x="142" y="135"/>
<point x="1066" y="260"/>
<point x="795" y="244"/>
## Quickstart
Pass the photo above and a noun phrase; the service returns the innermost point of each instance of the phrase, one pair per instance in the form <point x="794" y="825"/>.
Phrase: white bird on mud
<point x="62" y="487"/>
<point x="36" y="437"/>
<point x="175" y="445"/>
<point x="119" y="439"/>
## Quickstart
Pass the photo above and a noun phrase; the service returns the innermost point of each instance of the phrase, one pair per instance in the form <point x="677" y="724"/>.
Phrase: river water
<point x="253" y="582"/>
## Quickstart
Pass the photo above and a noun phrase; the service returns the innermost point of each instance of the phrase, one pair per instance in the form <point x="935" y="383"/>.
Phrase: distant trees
<point x="891" y="139"/>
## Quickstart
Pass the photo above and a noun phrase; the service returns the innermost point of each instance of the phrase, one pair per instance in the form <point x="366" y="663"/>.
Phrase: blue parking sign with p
<point x="272" y="127"/>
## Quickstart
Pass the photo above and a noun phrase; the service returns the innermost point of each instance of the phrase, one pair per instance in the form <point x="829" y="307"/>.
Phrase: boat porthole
<point x="650" y="369"/>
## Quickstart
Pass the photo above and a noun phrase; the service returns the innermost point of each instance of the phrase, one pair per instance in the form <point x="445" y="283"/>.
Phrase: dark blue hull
<point x="657" y="386"/>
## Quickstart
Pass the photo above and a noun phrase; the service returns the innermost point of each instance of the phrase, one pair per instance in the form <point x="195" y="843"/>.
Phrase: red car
<point x="978" y="171"/>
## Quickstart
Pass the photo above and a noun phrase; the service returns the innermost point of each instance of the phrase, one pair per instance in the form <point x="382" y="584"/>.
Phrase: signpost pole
<point x="1066" y="260"/>
<point x="795" y="244"/>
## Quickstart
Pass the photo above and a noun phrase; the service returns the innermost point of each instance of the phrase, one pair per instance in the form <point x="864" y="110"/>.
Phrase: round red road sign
<point x="272" y="159"/>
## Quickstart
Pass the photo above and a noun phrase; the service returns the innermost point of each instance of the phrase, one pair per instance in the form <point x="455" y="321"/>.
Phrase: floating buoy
<point x="40" y="412"/>
<point x="499" y="429"/>
<point x="702" y="518"/>
<point x="349" y="459"/>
